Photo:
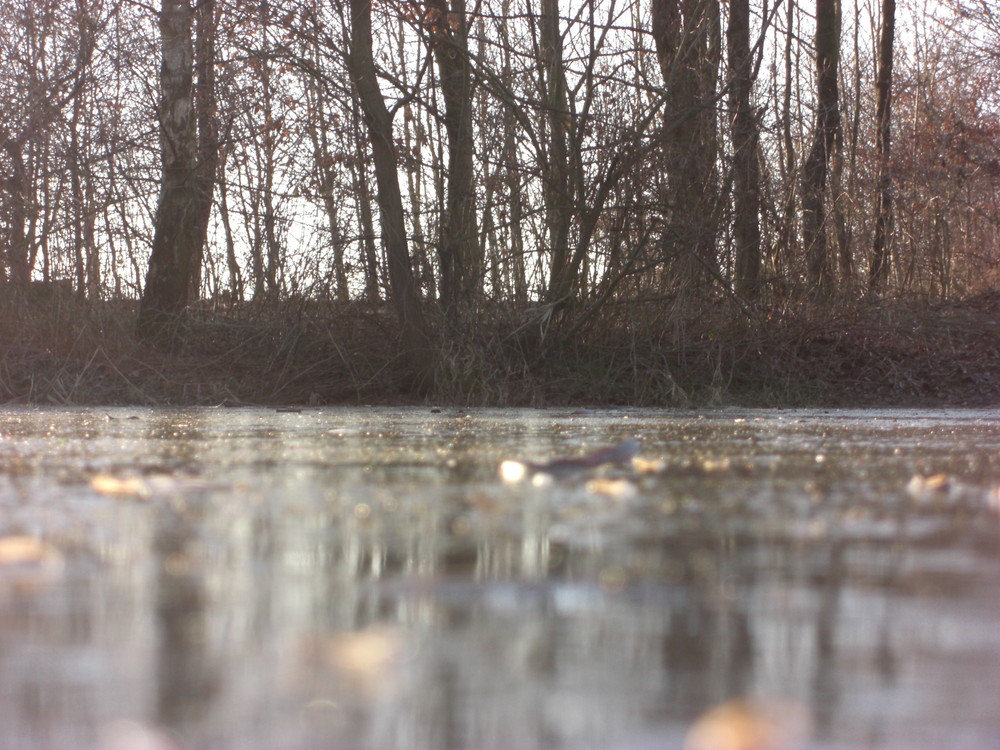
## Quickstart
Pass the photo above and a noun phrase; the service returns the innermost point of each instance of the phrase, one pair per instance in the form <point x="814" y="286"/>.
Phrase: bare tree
<point x="458" y="235"/>
<point x="186" y="182"/>
<point x="817" y="164"/>
<point x="206" y="27"/>
<point x="787" y="232"/>
<point x="557" y="185"/>
<point x="46" y="51"/>
<point x="881" y="243"/>
<point x="328" y="165"/>
<point x="368" y="252"/>
<point x="745" y="135"/>
<point x="688" y="47"/>
<point x="404" y="296"/>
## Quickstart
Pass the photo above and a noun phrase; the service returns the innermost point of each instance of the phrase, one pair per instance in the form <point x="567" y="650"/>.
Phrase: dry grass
<point x="900" y="352"/>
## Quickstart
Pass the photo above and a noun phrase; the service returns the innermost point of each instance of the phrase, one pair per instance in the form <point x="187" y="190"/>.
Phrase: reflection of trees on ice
<point x="362" y="579"/>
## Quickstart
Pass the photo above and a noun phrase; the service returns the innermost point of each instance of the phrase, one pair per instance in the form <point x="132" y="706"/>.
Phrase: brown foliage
<point x="309" y="352"/>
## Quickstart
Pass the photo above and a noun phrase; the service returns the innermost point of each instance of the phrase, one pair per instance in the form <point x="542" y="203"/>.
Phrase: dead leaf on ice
<point x="27" y="561"/>
<point x="129" y="486"/>
<point x="621" y="454"/>
<point x="368" y="659"/>
<point x="366" y="653"/>
<point x="750" y="725"/>
<point x="27" y="550"/>
<point x="617" y="488"/>
<point x="924" y="488"/>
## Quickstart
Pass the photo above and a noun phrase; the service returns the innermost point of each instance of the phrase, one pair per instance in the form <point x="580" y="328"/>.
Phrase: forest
<point x="500" y="202"/>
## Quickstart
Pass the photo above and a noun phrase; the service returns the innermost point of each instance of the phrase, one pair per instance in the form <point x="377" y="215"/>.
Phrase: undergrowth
<point x="307" y="352"/>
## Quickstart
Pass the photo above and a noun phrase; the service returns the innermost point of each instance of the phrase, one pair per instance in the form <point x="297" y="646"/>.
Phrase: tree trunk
<point x="512" y="174"/>
<point x="413" y="146"/>
<point x="879" y="269"/>
<point x="416" y="338"/>
<point x="686" y="33"/>
<point x="176" y="234"/>
<point x="367" y="250"/>
<point x="817" y="165"/>
<point x="271" y="132"/>
<point x="458" y="241"/>
<point x="369" y="253"/>
<point x="325" y="166"/>
<point x="785" y="251"/>
<point x="236" y="286"/>
<point x="557" y="186"/>
<point x="15" y="210"/>
<point x="79" y="202"/>
<point x="746" y="167"/>
<point x="512" y="253"/>
<point x="206" y="23"/>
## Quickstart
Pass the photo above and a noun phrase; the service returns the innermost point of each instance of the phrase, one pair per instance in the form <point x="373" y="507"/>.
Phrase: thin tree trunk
<point x="849" y="144"/>
<point x="206" y="23"/>
<point x="788" y="232"/>
<point x="366" y="221"/>
<point x="325" y="165"/>
<point x="514" y="252"/>
<point x="17" y="252"/>
<point x="75" y="165"/>
<point x="557" y="185"/>
<point x="839" y="207"/>
<point x="512" y="169"/>
<point x="251" y="167"/>
<point x="369" y="253"/>
<point x="232" y="262"/>
<point x="413" y="142"/>
<point x="879" y="270"/>
<point x="817" y="165"/>
<point x="458" y="241"/>
<point x="746" y="167"/>
<point x="271" y="132"/>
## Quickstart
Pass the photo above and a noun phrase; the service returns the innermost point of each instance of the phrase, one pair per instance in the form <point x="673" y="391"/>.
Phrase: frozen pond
<point x="363" y="579"/>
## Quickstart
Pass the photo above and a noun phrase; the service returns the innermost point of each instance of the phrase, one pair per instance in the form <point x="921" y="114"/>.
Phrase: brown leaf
<point x="27" y="550"/>
<point x="746" y="725"/>
<point x="109" y="485"/>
